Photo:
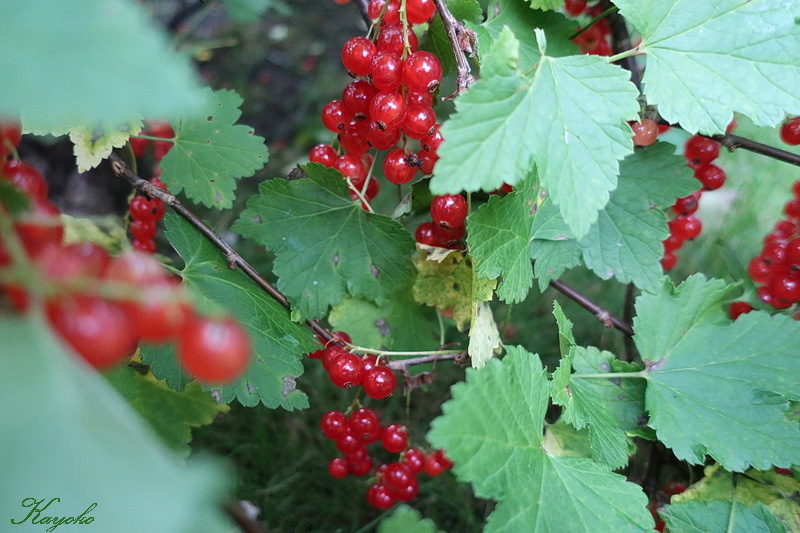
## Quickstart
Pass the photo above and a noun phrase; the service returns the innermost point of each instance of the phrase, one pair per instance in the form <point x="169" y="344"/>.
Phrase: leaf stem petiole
<point x="611" y="375"/>
<point x="622" y="55"/>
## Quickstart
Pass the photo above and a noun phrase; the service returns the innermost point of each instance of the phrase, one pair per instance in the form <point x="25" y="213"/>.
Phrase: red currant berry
<point x="793" y="252"/>
<point x="142" y="208"/>
<point x="357" y="54"/>
<point x="574" y="7"/>
<point x="392" y="39"/>
<point x="397" y="476"/>
<point x="792" y="209"/>
<point x="699" y="149"/>
<point x="390" y="12"/>
<point x="386" y="71"/>
<point x="379" y="382"/>
<point x="40" y="226"/>
<point x="669" y="260"/>
<point x="324" y="154"/>
<point x="98" y="330"/>
<point x="420" y="121"/>
<point x="414" y="459"/>
<point x="424" y="234"/>
<point x="333" y="424"/>
<point x="422" y="72"/>
<point x="685" y="227"/>
<point x="364" y="424"/>
<point x="448" y="237"/>
<point x="425" y="99"/>
<point x="388" y="110"/>
<point x="338" y="468"/>
<point x="143" y="229"/>
<point x="382" y="139"/>
<point x="419" y="11"/>
<point x="774" y="253"/>
<point x="161" y="313"/>
<point x="687" y="205"/>
<point x="351" y="166"/>
<point x="428" y="160"/>
<point x="349" y="442"/>
<point x="335" y="116"/>
<point x="737" y="309"/>
<point x="672" y="243"/>
<point x="759" y="270"/>
<point x="353" y="141"/>
<point x="332" y="353"/>
<point x="25" y="178"/>
<point x="449" y="210"/>
<point x="433" y="467"/>
<point x="347" y="370"/>
<point x="644" y="132"/>
<point x="139" y="146"/>
<point x="786" y="286"/>
<point x="356" y="98"/>
<point x="394" y="438"/>
<point x="710" y="175"/>
<point x="213" y="351"/>
<point x="397" y="167"/>
<point x="379" y="496"/>
<point x="790" y="131"/>
<point x="147" y="246"/>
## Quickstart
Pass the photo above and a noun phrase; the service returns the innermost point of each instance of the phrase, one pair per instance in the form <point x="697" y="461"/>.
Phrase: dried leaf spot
<point x="289" y="385"/>
<point x="250" y="389"/>
<point x="257" y="219"/>
<point x="335" y="258"/>
<point x="383" y="327"/>
<point x="374" y="270"/>
<point x="210" y="118"/>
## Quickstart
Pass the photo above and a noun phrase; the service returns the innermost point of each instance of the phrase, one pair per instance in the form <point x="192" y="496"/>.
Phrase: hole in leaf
<point x="335" y="258"/>
<point x="374" y="270"/>
<point x="289" y="385"/>
<point x="210" y="118"/>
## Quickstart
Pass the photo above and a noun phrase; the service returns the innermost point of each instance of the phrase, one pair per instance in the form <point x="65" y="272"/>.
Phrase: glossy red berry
<point x="98" y="330"/>
<point x="669" y="260"/>
<point x="356" y="98"/>
<point x="333" y="424"/>
<point x="392" y="39"/>
<point x="645" y="132"/>
<point x="25" y="178"/>
<point x="672" y="243"/>
<point x="379" y="496"/>
<point x="347" y="370"/>
<point x="390" y="12"/>
<point x="352" y="167"/>
<point x="161" y="313"/>
<point x="143" y="229"/>
<point x="574" y="7"/>
<point x="338" y="468"/>
<point x="365" y="425"/>
<point x="212" y="350"/>
<point x="422" y="72"/>
<point x="379" y="382"/>
<point x="357" y="54"/>
<point x="151" y="209"/>
<point x="710" y="175"/>
<point x="414" y="459"/>
<point x="699" y="149"/>
<point x="394" y="438"/>
<point x="349" y="442"/>
<point x="737" y="309"/>
<point x="324" y="154"/>
<point x="790" y="131"/>
<point x="424" y="234"/>
<point x="398" y="167"/>
<point x="420" y="121"/>
<point x="420" y="11"/>
<point x="382" y="139"/>
<point x="687" y="205"/>
<point x="449" y="210"/>
<point x="335" y="116"/>
<point x="685" y="227"/>
<point x="386" y="71"/>
<point x="40" y="226"/>
<point x="388" y="110"/>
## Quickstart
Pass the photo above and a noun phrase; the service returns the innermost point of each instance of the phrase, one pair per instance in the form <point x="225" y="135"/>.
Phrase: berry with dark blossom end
<point x="365" y="425"/>
<point x="699" y="149"/>
<point x="398" y="167"/>
<point x="333" y="424"/>
<point x="335" y="116"/>
<point x="388" y="110"/>
<point x="379" y="382"/>
<point x="356" y="98"/>
<point x="688" y="204"/>
<point x="449" y="210"/>
<point x="422" y="72"/>
<point x="790" y="131"/>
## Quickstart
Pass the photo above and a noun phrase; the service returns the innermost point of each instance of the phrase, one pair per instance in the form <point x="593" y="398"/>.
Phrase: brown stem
<point x="239" y="514"/>
<point x="234" y="259"/>
<point x="732" y="142"/>
<point x="620" y="42"/>
<point x="400" y="364"/>
<point x="602" y="314"/>
<point x="462" y="39"/>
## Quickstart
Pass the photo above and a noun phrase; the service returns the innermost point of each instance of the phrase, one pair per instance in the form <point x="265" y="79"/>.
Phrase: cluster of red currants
<point x="154" y="128"/>
<point x="670" y="489"/>
<point x="596" y="39"/>
<point x="347" y="369"/>
<point x="776" y="270"/>
<point x="699" y="152"/>
<point x="103" y="306"/>
<point x="145" y="214"/>
<point x="390" y="102"/>
<point x="448" y="211"/>
<point x="395" y="481"/>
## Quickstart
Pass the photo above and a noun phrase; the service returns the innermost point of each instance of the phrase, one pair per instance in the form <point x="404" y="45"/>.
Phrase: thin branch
<point x="732" y="142"/>
<point x="244" y="519"/>
<point x="462" y="39"/>
<point x="628" y="310"/>
<point x="602" y="314"/>
<point x="403" y="363"/>
<point x="122" y="169"/>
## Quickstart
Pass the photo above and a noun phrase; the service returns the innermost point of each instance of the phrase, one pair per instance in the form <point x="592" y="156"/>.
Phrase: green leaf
<point x="278" y="343"/>
<point x="716" y="387"/>
<point x="449" y="282"/>
<point x="327" y="247"/>
<point x="171" y="414"/>
<point x="609" y="407"/>
<point x="211" y="152"/>
<point x="545" y="4"/>
<point x="768" y="487"/>
<point x="718" y="517"/>
<point x="438" y="42"/>
<point x="398" y="324"/>
<point x="518" y="16"/>
<point x="707" y="60"/>
<point x="244" y="11"/>
<point x="508" y="122"/>
<point x="552" y="258"/>
<point x="100" y="61"/>
<point x="566" y="340"/>
<point x="564" y="440"/>
<point x="405" y="519"/>
<point x="94" y="145"/>
<point x="499" y="240"/>
<point x="67" y="434"/>
<point x="493" y="430"/>
<point x="625" y="242"/>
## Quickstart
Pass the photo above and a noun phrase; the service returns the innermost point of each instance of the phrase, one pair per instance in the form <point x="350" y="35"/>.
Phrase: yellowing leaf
<point x="92" y="146"/>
